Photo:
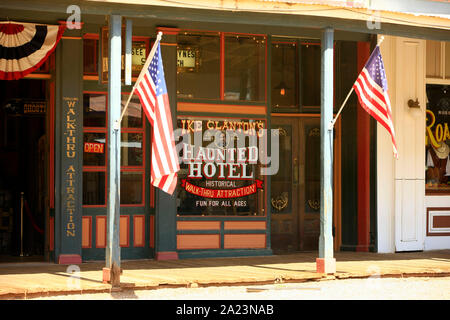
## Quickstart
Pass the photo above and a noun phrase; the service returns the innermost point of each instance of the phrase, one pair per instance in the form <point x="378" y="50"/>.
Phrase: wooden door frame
<point x="295" y="187"/>
<point x="337" y="177"/>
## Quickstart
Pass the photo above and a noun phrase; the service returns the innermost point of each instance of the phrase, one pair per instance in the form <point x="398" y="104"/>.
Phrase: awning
<point x="24" y="47"/>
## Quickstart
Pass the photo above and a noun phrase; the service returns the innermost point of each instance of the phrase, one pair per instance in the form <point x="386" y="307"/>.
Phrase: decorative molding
<point x="438" y="221"/>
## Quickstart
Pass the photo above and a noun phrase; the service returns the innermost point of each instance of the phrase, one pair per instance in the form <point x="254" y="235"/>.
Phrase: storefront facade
<point x="228" y="75"/>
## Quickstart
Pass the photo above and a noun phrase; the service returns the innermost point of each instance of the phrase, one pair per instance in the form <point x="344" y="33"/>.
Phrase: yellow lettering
<point x="439" y="133"/>
<point x="428" y="129"/>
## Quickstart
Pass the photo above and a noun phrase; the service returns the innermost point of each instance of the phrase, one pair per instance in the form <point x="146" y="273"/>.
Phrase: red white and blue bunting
<point x="24" y="47"/>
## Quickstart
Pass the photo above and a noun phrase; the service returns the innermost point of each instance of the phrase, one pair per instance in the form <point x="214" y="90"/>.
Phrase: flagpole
<point x="332" y="122"/>
<point x="145" y="67"/>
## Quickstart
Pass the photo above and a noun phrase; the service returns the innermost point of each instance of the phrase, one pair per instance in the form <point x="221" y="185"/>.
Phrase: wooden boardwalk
<point x="18" y="281"/>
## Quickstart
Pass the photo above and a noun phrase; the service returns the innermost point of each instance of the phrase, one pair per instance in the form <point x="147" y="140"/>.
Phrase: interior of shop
<point x="22" y="169"/>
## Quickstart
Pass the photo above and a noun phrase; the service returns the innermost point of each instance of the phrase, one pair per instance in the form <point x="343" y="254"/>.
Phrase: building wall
<point x="402" y="203"/>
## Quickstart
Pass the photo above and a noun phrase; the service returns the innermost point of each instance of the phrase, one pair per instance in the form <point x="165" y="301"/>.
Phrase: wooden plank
<point x="245" y="225"/>
<point x="198" y="225"/>
<point x="100" y="231"/>
<point x="86" y="230"/>
<point x="124" y="231"/>
<point x="138" y="231"/>
<point x="198" y="241"/>
<point x="219" y="108"/>
<point x="244" y="241"/>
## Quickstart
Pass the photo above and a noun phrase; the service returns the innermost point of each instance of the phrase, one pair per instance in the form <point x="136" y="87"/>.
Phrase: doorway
<point x="295" y="189"/>
<point x="23" y="170"/>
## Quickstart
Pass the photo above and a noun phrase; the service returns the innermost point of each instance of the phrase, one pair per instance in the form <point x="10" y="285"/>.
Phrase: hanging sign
<point x="188" y="59"/>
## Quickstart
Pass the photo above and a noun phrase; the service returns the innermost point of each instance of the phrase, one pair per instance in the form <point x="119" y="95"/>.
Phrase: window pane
<point x="94" y="110"/>
<point x="131" y="187"/>
<point x="90" y="56"/>
<point x="438" y="139"/>
<point x="131" y="149"/>
<point x="312" y="167"/>
<point x="133" y="116"/>
<point x="220" y="176"/>
<point x="281" y="187"/>
<point x="310" y="74"/>
<point x="138" y="57"/>
<point x="94" y="149"/>
<point x="245" y="68"/>
<point x="94" y="188"/>
<point x="284" y="76"/>
<point x="198" y="60"/>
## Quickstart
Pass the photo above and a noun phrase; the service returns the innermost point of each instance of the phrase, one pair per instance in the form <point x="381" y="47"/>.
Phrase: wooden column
<point x="112" y="271"/>
<point x="363" y="152"/>
<point x="326" y="262"/>
<point x="68" y="148"/>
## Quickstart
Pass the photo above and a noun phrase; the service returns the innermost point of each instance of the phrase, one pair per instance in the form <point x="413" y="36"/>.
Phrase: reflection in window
<point x="133" y="115"/>
<point x="94" y="188"/>
<point x="284" y="75"/>
<point x="131" y="187"/>
<point x="310" y="74"/>
<point x="94" y="110"/>
<point x="438" y="139"/>
<point x="245" y="68"/>
<point x="198" y="66"/>
<point x="132" y="149"/>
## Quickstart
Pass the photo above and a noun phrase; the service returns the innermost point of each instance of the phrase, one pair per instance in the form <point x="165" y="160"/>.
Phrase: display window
<point x="437" y="148"/>
<point x="295" y="75"/>
<point x="221" y="66"/>
<point x="310" y="75"/>
<point x="132" y="155"/>
<point x="198" y="66"/>
<point x="284" y="75"/>
<point x="90" y="54"/>
<point x="220" y="169"/>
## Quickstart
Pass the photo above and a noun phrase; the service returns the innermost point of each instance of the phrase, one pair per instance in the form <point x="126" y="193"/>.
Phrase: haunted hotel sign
<point x="220" y="166"/>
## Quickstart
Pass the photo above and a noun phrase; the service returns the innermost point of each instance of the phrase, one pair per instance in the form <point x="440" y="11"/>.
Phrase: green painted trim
<point x="225" y="253"/>
<point x="224" y="102"/>
<point x="222" y="218"/>
<point x="222" y="115"/>
<point x="222" y="231"/>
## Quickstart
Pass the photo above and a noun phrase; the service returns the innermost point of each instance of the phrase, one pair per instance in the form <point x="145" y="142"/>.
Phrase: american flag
<point x="152" y="91"/>
<point x="372" y="90"/>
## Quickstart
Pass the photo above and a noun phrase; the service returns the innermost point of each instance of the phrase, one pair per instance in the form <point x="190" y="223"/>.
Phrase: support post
<point x="166" y="207"/>
<point x="112" y="271"/>
<point x="326" y="262"/>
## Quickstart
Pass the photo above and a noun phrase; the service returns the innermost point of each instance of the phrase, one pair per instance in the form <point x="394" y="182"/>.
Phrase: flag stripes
<point x="152" y="93"/>
<point x="371" y="88"/>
